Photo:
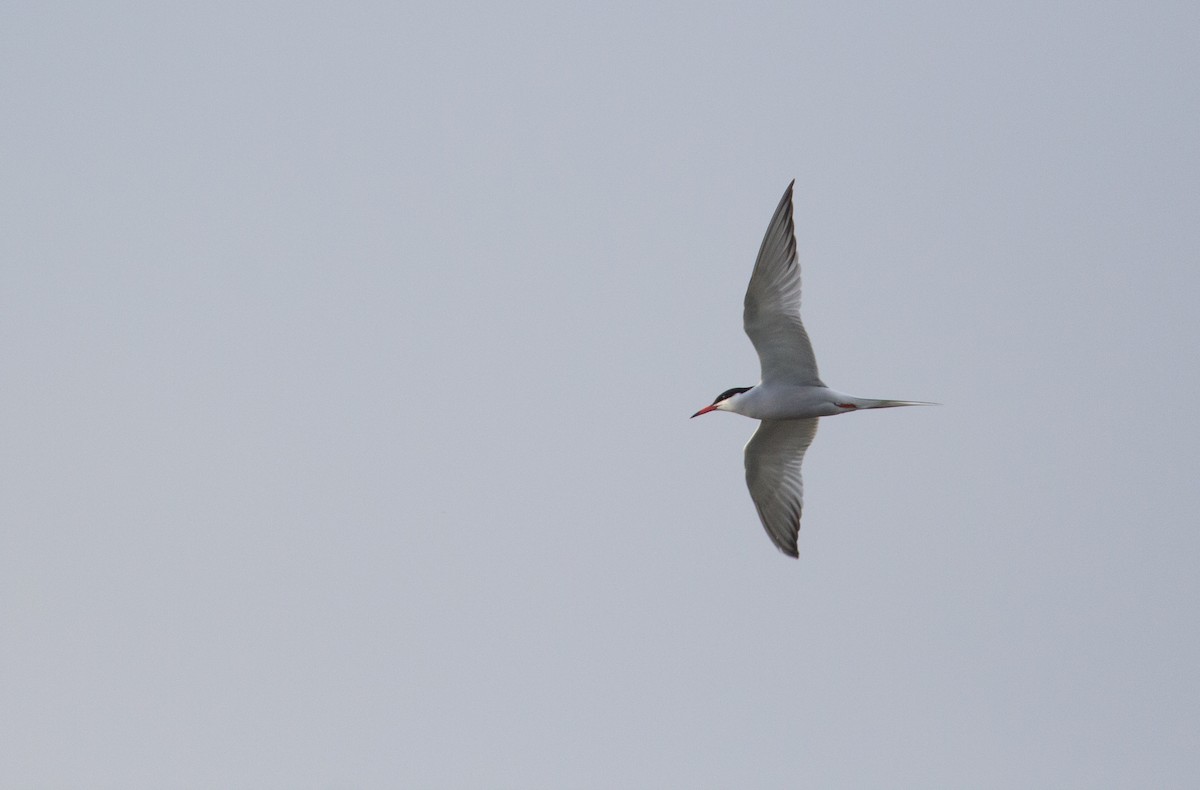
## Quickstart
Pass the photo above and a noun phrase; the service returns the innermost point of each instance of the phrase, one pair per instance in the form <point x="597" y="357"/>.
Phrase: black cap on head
<point x="730" y="393"/>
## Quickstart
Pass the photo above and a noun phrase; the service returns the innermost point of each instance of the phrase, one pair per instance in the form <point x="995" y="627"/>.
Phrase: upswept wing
<point x="773" y="458"/>
<point x="772" y="307"/>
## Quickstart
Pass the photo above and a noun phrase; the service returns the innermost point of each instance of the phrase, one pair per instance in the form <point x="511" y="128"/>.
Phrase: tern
<point x="790" y="396"/>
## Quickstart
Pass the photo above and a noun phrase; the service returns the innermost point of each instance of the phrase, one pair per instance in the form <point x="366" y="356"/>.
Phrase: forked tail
<point x="888" y="404"/>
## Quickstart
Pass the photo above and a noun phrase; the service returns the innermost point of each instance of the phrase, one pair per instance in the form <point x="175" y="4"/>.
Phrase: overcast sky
<point x="348" y="352"/>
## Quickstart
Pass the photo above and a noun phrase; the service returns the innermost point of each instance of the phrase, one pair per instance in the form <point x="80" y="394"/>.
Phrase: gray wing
<point x="772" y="308"/>
<point x="773" y="458"/>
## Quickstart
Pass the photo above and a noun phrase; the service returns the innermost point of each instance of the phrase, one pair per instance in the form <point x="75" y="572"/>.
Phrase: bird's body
<point x="770" y="400"/>
<point x="791" y="396"/>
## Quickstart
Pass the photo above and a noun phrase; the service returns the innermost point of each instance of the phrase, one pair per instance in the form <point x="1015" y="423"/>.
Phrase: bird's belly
<point x="789" y="403"/>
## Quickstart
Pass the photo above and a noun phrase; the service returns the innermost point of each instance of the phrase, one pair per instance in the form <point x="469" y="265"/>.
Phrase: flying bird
<point x="790" y="396"/>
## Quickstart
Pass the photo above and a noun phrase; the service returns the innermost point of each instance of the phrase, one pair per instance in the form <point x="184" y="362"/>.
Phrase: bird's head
<point x="724" y="401"/>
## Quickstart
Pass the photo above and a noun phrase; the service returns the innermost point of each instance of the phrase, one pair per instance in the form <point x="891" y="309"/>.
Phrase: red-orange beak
<point x="705" y="410"/>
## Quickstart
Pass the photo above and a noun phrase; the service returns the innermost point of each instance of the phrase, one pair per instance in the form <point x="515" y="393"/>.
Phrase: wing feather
<point x="772" y="307"/>
<point x="773" y="458"/>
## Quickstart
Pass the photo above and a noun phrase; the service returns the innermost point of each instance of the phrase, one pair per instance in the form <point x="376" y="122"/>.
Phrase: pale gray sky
<point x="348" y="356"/>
